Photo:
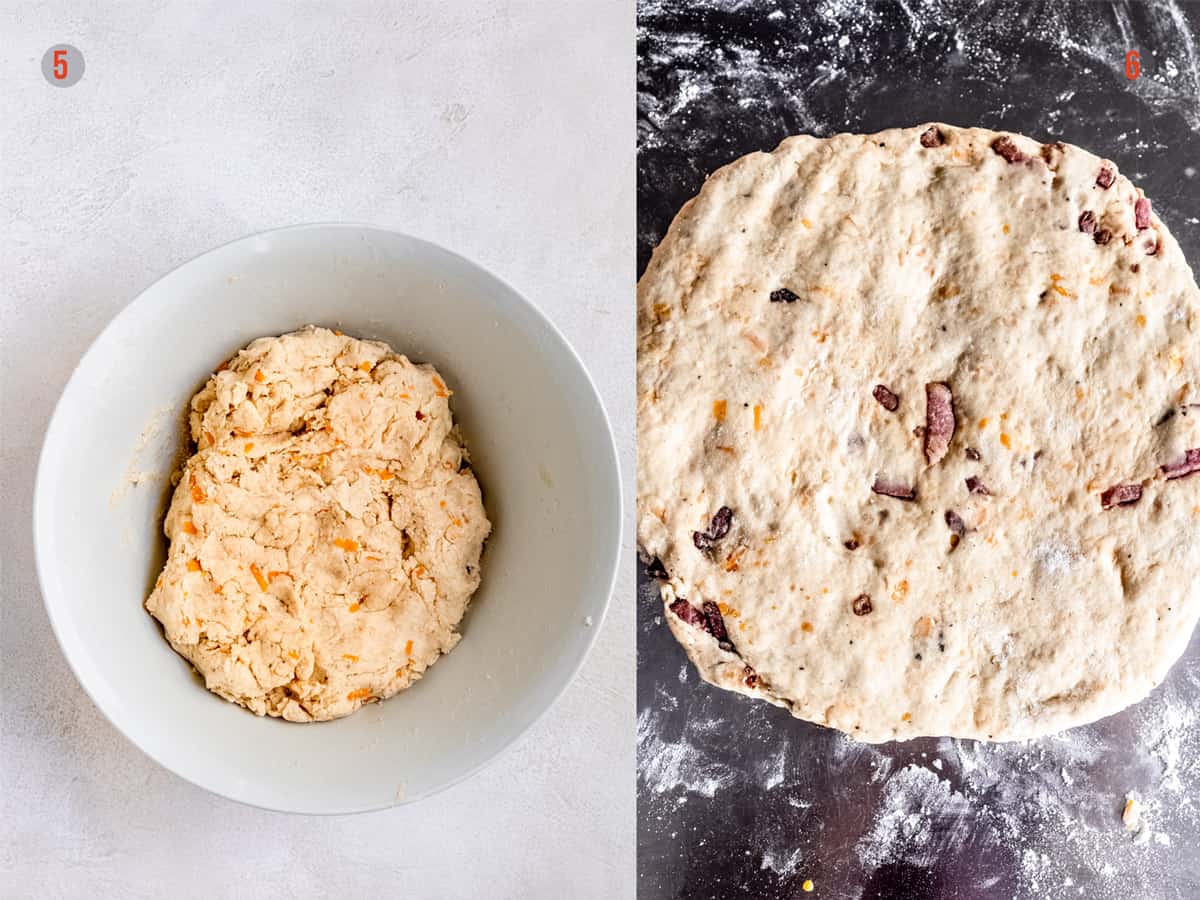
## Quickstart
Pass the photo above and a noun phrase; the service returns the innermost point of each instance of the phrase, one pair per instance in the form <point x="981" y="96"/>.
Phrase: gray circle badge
<point x="62" y="65"/>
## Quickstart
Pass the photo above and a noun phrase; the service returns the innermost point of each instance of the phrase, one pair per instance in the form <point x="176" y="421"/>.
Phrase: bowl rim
<point x="40" y="517"/>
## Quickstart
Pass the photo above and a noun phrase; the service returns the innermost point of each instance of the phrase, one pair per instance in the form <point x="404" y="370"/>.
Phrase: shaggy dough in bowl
<point x="325" y="536"/>
<point x="918" y="428"/>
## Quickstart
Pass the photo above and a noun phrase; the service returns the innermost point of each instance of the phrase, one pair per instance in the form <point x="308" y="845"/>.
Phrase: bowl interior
<point x="540" y="445"/>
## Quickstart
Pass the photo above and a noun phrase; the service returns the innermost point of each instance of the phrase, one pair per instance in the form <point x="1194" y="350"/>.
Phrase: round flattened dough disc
<point x="1004" y="601"/>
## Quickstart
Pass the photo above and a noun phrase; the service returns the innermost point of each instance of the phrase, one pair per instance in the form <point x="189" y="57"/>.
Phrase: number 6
<point x="1133" y="65"/>
<point x="60" y="65"/>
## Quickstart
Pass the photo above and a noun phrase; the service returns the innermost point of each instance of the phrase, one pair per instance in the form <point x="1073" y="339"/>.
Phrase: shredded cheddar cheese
<point x="198" y="495"/>
<point x="346" y="544"/>
<point x="188" y="527"/>
<point x="258" y="576"/>
<point x="719" y="407"/>
<point x="360" y="694"/>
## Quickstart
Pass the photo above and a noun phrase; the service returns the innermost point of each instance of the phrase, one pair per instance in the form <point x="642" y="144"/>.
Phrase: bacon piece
<point x="1087" y="222"/>
<point x="783" y="295"/>
<point x="939" y="420"/>
<point x="862" y="605"/>
<point x="1120" y="495"/>
<point x="717" y="529"/>
<point x="1188" y="465"/>
<point x="1141" y="213"/>
<point x="688" y="613"/>
<point x="975" y="486"/>
<point x="893" y="489"/>
<point x="932" y="137"/>
<point x="1102" y="237"/>
<point x="885" y="397"/>
<point x="715" y="625"/>
<point x="749" y="677"/>
<point x="973" y="454"/>
<point x="1105" y="178"/>
<point x="1006" y="147"/>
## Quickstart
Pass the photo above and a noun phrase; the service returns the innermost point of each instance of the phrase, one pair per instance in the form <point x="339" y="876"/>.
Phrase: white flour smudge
<point x="918" y="816"/>
<point x="677" y="765"/>
<point x="782" y="862"/>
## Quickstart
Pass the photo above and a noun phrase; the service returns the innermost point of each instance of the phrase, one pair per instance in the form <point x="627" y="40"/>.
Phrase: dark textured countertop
<point x="735" y="797"/>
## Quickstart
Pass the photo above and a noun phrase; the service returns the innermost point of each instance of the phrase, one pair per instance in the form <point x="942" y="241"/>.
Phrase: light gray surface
<point x="472" y="125"/>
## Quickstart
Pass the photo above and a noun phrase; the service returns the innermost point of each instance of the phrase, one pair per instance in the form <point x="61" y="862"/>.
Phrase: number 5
<point x="1133" y="64"/>
<point x="60" y="65"/>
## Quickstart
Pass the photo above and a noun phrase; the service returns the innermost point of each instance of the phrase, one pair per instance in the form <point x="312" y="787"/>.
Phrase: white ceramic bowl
<point x="540" y="444"/>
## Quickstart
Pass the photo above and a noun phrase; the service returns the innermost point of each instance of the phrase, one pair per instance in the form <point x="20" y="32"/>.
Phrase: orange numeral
<point x="1133" y="64"/>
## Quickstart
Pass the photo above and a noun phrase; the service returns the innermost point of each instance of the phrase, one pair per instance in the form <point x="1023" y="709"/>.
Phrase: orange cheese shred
<point x="360" y="694"/>
<point x="258" y="376"/>
<point x="271" y="576"/>
<point x="193" y="565"/>
<point x="188" y="527"/>
<point x="258" y="576"/>
<point x="408" y="649"/>
<point x="198" y="495"/>
<point x="346" y="544"/>
<point x="350" y="656"/>
<point x="719" y="407"/>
